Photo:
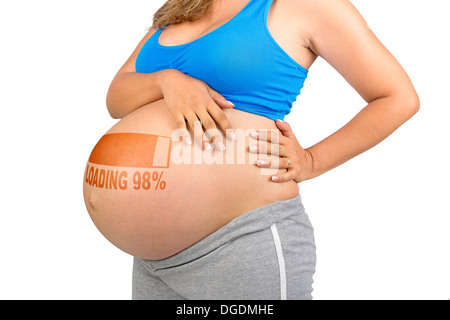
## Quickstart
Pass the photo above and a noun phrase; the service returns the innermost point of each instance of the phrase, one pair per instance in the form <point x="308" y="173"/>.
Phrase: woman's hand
<point x="297" y="161"/>
<point x="191" y="100"/>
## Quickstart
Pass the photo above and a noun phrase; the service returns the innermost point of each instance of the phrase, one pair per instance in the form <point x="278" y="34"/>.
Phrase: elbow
<point x="112" y="106"/>
<point x="412" y="103"/>
<point x="114" y="115"/>
<point x="112" y="110"/>
<point x="408" y="104"/>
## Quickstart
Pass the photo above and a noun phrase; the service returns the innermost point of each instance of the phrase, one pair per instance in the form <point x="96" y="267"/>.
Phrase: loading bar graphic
<point x="135" y="150"/>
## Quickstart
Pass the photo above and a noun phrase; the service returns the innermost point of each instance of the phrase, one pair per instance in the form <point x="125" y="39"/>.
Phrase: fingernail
<point x="274" y="178"/>
<point x="253" y="148"/>
<point x="231" y="103"/>
<point x="261" y="162"/>
<point x="255" y="134"/>
<point x="207" y="146"/>
<point x="233" y="136"/>
<point x="280" y="120"/>
<point x="221" y="146"/>
<point x="188" y="140"/>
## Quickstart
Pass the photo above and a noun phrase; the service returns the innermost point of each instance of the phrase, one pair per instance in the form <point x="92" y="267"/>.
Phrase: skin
<point x="160" y="102"/>
<point x="336" y="31"/>
<point x="199" y="198"/>
<point x="305" y="29"/>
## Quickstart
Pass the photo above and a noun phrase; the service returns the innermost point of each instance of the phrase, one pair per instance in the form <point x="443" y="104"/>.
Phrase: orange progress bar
<point x="135" y="150"/>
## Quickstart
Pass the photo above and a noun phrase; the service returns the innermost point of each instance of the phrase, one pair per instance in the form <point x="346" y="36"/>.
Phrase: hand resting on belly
<point x="153" y="196"/>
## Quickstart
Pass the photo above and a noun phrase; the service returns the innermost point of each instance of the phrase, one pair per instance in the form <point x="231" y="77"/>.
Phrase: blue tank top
<point x="239" y="59"/>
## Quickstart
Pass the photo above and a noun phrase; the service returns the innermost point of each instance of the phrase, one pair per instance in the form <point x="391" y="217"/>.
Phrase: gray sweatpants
<point x="265" y="254"/>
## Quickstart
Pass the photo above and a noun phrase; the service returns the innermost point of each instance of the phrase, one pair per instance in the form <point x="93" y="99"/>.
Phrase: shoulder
<point x="315" y="16"/>
<point x="317" y="6"/>
<point x="319" y="13"/>
<point x="323" y="18"/>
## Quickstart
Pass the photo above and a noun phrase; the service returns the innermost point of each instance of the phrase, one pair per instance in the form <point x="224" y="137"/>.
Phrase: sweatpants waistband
<point x="252" y="221"/>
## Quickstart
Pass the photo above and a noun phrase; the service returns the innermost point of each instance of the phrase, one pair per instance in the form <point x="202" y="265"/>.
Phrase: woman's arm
<point x="373" y="124"/>
<point x="188" y="99"/>
<point x="337" y="32"/>
<point x="130" y="90"/>
<point x="341" y="36"/>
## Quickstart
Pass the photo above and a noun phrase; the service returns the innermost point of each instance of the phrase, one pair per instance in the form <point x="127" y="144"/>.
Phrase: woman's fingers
<point x="285" y="129"/>
<point x="288" y="152"/>
<point x="267" y="148"/>
<point x="273" y="136"/>
<point x="190" y="100"/>
<point x="222" y="120"/>
<point x="182" y="129"/>
<point x="205" y="130"/>
<point x="215" y="107"/>
<point x="277" y="163"/>
<point x="219" y="99"/>
<point x="288" y="176"/>
<point x="213" y="134"/>
<point x="196" y="126"/>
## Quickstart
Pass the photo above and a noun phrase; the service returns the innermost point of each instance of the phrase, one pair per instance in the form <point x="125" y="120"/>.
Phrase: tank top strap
<point x="253" y="13"/>
<point x="254" y="9"/>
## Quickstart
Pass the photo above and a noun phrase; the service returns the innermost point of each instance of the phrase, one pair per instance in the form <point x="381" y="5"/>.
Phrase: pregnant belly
<point x="153" y="196"/>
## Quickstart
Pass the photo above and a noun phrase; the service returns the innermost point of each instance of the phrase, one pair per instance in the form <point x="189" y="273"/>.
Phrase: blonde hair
<point x="176" y="11"/>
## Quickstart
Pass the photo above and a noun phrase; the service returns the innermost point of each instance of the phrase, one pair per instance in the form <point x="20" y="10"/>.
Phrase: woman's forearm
<point x="131" y="90"/>
<point x="369" y="127"/>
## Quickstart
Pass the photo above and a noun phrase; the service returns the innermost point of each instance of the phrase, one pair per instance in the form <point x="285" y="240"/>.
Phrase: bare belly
<point x="157" y="210"/>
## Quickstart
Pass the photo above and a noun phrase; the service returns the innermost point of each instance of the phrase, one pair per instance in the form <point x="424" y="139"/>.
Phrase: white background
<point x="381" y="220"/>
